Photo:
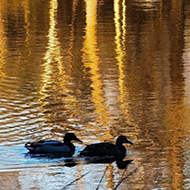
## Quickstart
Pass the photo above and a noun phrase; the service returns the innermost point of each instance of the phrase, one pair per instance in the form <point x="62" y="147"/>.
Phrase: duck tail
<point x="28" y="146"/>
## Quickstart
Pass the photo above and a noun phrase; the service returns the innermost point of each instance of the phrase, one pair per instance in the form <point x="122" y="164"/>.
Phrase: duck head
<point x="70" y="137"/>
<point x="122" y="139"/>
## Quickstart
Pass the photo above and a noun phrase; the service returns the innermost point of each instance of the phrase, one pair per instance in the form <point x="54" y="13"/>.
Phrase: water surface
<point x="98" y="69"/>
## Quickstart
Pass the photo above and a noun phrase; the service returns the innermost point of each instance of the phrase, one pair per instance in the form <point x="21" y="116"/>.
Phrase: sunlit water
<point x="98" y="69"/>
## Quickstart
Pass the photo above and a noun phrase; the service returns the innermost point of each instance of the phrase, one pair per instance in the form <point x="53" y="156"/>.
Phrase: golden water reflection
<point x="99" y="69"/>
<point x="93" y="63"/>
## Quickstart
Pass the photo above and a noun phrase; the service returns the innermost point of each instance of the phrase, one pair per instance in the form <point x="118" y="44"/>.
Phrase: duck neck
<point x="71" y="146"/>
<point x="68" y="142"/>
<point x="66" y="139"/>
<point x="121" y="149"/>
<point x="118" y="143"/>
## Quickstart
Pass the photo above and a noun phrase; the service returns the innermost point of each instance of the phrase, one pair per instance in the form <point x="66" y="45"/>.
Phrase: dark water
<point x="100" y="69"/>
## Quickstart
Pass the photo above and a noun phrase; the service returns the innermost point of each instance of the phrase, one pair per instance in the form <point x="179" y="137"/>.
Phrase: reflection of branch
<point x="123" y="173"/>
<point x="131" y="173"/>
<point x="74" y="181"/>
<point x="101" y="178"/>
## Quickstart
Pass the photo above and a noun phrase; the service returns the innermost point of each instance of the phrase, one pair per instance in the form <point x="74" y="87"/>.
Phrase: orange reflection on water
<point x="91" y="60"/>
<point x="55" y="76"/>
<point x="53" y="65"/>
<point x="120" y="30"/>
<point x="121" y="52"/>
<point x="3" y="48"/>
<point x="176" y="136"/>
<point x="53" y="53"/>
<point x="53" y="45"/>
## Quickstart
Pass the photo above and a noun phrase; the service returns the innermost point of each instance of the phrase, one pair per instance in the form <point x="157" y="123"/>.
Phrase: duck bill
<point x="129" y="142"/>
<point x="78" y="140"/>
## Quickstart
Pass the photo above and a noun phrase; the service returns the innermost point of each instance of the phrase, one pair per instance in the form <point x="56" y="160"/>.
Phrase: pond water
<point x="99" y="69"/>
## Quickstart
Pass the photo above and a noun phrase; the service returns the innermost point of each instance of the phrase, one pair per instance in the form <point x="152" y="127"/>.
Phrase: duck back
<point x="103" y="149"/>
<point x="48" y="149"/>
<point x="51" y="147"/>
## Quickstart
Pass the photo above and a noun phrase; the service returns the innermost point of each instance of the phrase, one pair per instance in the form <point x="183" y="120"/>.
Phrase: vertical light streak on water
<point x="28" y="23"/>
<point x="119" y="42"/>
<point x="54" y="78"/>
<point x="120" y="35"/>
<point x="52" y="55"/>
<point x="179" y="127"/>
<point x="186" y="58"/>
<point x="72" y="30"/>
<point x="53" y="47"/>
<point x="92" y="61"/>
<point x="3" y="48"/>
<point x="124" y="9"/>
<point x="53" y="75"/>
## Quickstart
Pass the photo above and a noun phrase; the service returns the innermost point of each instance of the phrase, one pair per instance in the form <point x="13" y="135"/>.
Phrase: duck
<point x="107" y="150"/>
<point x="54" y="147"/>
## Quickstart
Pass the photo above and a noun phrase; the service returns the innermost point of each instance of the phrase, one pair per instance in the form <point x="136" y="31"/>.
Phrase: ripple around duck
<point x="21" y="161"/>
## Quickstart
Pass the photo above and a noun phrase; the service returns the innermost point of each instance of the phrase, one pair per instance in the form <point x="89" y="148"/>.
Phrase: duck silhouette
<point x="53" y="147"/>
<point x="107" y="150"/>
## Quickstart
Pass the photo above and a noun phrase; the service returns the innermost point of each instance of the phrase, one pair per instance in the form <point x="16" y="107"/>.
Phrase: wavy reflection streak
<point x="92" y="61"/>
